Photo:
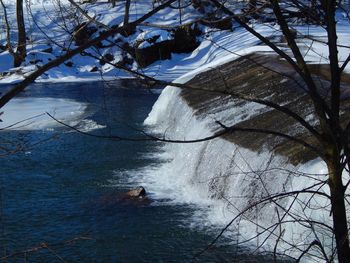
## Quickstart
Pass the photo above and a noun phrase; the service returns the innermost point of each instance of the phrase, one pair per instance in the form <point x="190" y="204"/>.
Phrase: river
<point x="60" y="188"/>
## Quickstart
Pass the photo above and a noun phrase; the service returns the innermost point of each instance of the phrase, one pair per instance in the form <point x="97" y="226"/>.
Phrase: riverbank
<point x="48" y="36"/>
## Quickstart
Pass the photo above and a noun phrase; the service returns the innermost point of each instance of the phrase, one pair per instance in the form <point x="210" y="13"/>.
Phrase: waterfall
<point x="222" y="179"/>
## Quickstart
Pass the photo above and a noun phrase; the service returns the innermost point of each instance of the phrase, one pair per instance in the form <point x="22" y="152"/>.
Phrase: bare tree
<point x="21" y="46"/>
<point x="20" y="53"/>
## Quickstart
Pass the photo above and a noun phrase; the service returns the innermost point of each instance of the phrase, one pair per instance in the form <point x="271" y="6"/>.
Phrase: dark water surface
<point x="60" y="189"/>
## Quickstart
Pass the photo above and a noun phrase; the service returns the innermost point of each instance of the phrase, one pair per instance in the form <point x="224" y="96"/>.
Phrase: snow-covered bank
<point x="47" y="30"/>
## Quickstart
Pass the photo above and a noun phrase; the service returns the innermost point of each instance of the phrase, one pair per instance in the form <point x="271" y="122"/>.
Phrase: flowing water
<point x="62" y="188"/>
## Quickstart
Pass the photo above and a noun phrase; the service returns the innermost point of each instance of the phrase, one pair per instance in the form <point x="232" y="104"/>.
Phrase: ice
<point x="30" y="114"/>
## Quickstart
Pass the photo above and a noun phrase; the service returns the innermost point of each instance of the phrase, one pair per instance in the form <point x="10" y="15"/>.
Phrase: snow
<point x="317" y="52"/>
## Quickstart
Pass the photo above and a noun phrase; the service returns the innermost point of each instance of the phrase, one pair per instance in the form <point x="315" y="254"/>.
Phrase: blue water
<point x="60" y="189"/>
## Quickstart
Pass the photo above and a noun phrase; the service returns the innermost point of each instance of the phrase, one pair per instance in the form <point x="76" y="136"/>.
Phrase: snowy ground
<point x="48" y="28"/>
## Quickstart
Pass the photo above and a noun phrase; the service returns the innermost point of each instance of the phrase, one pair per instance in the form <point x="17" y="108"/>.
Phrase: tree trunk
<point x="128" y="29"/>
<point x="340" y="225"/>
<point x="21" y="47"/>
<point x="127" y="11"/>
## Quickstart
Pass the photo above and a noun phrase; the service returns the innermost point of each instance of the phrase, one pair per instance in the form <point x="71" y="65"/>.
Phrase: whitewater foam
<point x="222" y="180"/>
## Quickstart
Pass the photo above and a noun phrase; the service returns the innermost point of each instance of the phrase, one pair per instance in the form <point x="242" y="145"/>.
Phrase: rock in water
<point x="136" y="196"/>
<point x="138" y="192"/>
